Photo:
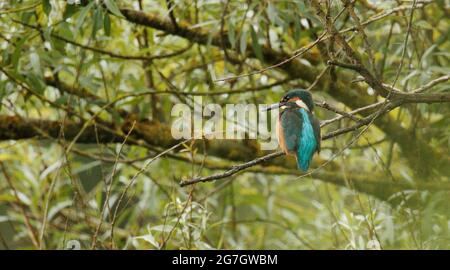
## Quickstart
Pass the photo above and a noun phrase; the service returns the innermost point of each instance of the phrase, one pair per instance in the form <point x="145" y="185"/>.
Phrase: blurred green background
<point x="87" y="87"/>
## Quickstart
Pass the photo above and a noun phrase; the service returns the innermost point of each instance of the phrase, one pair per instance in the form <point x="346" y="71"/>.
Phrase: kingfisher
<point x="298" y="130"/>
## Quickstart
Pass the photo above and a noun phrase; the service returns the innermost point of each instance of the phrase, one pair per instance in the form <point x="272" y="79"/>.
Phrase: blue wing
<point x="316" y="127"/>
<point x="308" y="143"/>
<point x="291" y="123"/>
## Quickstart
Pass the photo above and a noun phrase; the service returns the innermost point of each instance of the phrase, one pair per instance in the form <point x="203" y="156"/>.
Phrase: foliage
<point x="87" y="88"/>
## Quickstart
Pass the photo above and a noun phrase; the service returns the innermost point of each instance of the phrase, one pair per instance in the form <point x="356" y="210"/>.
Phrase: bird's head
<point x="295" y="98"/>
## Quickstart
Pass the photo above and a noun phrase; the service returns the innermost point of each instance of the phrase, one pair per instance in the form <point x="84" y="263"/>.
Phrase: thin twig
<point x="432" y="83"/>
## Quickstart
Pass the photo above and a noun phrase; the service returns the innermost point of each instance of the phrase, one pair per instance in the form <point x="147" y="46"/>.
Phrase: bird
<point x="298" y="130"/>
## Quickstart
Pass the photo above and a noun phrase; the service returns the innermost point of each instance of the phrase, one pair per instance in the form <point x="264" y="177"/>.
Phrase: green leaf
<point x="69" y="11"/>
<point x="57" y="208"/>
<point x="428" y="52"/>
<point x="36" y="83"/>
<point x="150" y="239"/>
<point x="59" y="45"/>
<point x="62" y="100"/>
<point x="83" y="14"/>
<point x="2" y="91"/>
<point x="98" y="20"/>
<point x="26" y="16"/>
<point x="107" y="24"/>
<point x="255" y="44"/>
<point x="423" y="24"/>
<point x="16" y="76"/>
<point x="47" y="33"/>
<point x="297" y="29"/>
<point x="243" y="42"/>
<point x="231" y="34"/>
<point x="112" y="6"/>
<point x="35" y="63"/>
<point x="271" y="13"/>
<point x="17" y="52"/>
<point x="47" y="6"/>
<point x="65" y="31"/>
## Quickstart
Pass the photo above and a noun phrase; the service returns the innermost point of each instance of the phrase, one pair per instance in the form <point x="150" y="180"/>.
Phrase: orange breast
<point x="280" y="137"/>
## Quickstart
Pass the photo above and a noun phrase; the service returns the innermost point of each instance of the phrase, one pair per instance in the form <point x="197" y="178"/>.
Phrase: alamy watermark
<point x="196" y="120"/>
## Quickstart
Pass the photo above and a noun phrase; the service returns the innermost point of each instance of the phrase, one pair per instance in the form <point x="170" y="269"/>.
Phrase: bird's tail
<point x="302" y="163"/>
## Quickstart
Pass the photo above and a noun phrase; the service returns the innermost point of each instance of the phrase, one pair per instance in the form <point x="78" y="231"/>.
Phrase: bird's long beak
<point x="275" y="106"/>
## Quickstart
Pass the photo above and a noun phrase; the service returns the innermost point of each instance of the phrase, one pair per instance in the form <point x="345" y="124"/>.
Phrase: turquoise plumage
<point x="307" y="142"/>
